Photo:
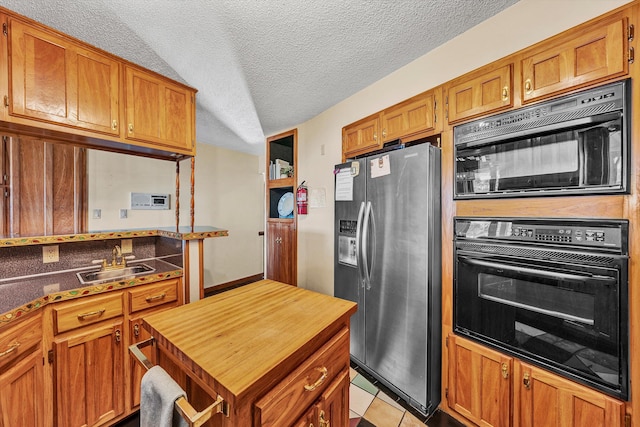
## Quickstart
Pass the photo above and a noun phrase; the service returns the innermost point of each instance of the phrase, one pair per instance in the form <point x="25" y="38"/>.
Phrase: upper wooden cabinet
<point x="158" y="111"/>
<point x="54" y="79"/>
<point x="480" y="93"/>
<point x="361" y="136"/>
<point x="577" y="58"/>
<point x="61" y="88"/>
<point x="413" y="116"/>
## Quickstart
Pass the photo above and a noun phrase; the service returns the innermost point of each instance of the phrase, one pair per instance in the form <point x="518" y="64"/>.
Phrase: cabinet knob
<point x="528" y="87"/>
<point x="526" y="381"/>
<point x="375" y="136"/>
<point x="118" y="335"/>
<point x="322" y="421"/>
<point x="130" y="127"/>
<point x="114" y="125"/>
<point x="384" y="133"/>
<point x="505" y="371"/>
<point x="505" y="93"/>
<point x="136" y="330"/>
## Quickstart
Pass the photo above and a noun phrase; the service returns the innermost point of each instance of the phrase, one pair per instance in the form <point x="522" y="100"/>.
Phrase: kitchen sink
<point x="93" y="276"/>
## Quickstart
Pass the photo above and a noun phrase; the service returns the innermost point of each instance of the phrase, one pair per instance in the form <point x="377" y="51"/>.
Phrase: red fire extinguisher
<point x="301" y="198"/>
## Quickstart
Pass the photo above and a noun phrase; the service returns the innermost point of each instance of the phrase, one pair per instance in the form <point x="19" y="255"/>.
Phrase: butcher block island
<point x="276" y="354"/>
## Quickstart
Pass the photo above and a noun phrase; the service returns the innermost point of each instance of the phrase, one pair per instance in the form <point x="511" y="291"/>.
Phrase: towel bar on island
<point x="184" y="408"/>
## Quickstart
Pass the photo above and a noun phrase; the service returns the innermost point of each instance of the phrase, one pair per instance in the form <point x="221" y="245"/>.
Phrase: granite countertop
<point x="24" y="294"/>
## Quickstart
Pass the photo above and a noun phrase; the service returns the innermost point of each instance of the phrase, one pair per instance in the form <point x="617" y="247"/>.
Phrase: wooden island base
<point x="278" y="355"/>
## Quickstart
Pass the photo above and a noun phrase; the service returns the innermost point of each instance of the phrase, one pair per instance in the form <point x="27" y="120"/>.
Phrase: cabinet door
<point x="479" y="383"/>
<point x="333" y="408"/>
<point x="47" y="188"/>
<point x="22" y="393"/>
<point x="55" y="80"/>
<point x="159" y="111"/>
<point x="281" y="252"/>
<point x="137" y="334"/>
<point x="484" y="94"/>
<point x="544" y="399"/>
<point x="361" y="136"/>
<point x="89" y="375"/>
<point x="409" y="117"/>
<point x="584" y="57"/>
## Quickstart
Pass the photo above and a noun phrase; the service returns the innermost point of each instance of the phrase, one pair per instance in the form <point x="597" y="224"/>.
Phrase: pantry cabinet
<point x="492" y="389"/>
<point x="361" y="137"/>
<point x="158" y="111"/>
<point x="21" y="374"/>
<point x="57" y="80"/>
<point x="577" y="58"/>
<point x="281" y="252"/>
<point x="484" y="91"/>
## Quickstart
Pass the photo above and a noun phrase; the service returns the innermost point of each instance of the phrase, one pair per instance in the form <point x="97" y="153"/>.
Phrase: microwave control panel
<point x="607" y="234"/>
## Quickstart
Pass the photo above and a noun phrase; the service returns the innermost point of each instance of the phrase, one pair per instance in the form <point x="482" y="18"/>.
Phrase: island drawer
<point x="20" y="339"/>
<point x="297" y="391"/>
<point x="77" y="313"/>
<point x="153" y="295"/>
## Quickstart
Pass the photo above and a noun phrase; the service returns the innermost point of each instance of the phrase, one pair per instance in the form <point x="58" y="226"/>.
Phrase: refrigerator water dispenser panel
<point x="347" y="243"/>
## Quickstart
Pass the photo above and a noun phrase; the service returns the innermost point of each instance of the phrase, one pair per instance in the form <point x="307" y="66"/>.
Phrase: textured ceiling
<point x="261" y="66"/>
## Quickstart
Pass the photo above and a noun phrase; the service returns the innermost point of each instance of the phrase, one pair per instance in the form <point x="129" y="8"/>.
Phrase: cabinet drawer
<point x="153" y="295"/>
<point x="290" y="398"/>
<point x="19" y="339"/>
<point x="78" y="313"/>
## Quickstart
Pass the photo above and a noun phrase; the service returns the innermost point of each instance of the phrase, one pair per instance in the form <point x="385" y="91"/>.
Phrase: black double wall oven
<point x="551" y="291"/>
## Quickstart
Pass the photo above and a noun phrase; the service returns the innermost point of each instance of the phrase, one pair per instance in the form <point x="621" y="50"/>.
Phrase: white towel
<point x="158" y="393"/>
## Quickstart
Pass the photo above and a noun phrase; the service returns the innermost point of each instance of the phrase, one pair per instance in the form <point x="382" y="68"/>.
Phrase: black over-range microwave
<point x="576" y="144"/>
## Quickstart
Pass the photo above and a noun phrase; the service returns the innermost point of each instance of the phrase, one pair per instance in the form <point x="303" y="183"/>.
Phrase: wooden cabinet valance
<point x="58" y="87"/>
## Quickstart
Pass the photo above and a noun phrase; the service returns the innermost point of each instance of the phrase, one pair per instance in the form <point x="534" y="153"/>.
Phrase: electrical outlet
<point x="123" y="213"/>
<point x="126" y="246"/>
<point x="97" y="213"/>
<point x="50" y="253"/>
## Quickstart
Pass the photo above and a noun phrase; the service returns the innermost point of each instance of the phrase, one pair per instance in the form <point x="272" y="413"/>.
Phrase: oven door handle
<point x="537" y="272"/>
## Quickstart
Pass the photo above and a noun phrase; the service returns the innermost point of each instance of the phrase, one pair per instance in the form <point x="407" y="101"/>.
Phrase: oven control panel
<point x="582" y="233"/>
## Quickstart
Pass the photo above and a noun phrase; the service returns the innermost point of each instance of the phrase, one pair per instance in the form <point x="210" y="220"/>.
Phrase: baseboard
<point x="212" y="290"/>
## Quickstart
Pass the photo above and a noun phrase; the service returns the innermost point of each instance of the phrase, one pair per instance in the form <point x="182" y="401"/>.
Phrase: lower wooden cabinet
<point x="491" y="389"/>
<point x="21" y="378"/>
<point x="89" y="375"/>
<point x="281" y="251"/>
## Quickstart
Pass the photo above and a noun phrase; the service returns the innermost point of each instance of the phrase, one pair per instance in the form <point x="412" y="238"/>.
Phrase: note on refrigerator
<point x="344" y="185"/>
<point x="380" y="166"/>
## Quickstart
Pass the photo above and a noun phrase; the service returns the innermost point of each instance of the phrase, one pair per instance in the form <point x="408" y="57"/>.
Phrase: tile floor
<point x="370" y="405"/>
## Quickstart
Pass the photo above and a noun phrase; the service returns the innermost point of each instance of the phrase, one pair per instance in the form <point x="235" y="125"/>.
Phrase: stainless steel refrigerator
<point x="387" y="259"/>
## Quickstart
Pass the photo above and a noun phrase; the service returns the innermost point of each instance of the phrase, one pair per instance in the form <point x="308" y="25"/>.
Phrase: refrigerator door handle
<point x="365" y="241"/>
<point x="361" y="275"/>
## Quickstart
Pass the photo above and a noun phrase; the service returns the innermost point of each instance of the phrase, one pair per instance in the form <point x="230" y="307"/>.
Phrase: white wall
<point x="522" y="25"/>
<point x="229" y="194"/>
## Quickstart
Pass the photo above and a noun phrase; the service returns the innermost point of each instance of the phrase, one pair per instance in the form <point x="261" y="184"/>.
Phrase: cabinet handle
<point x="13" y="347"/>
<point x="505" y="371"/>
<point x="130" y="127"/>
<point x="323" y="422"/>
<point x="114" y="125"/>
<point x="375" y="136"/>
<point x="528" y="88"/>
<point x="324" y="372"/>
<point x="505" y="93"/>
<point x="6" y="101"/>
<point x="156" y="297"/>
<point x="92" y="313"/>
<point x="136" y="330"/>
<point x="384" y="133"/>
<point x="118" y="335"/>
<point x="526" y="381"/>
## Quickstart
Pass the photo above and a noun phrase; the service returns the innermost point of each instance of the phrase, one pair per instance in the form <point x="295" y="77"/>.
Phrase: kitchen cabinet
<point x="142" y="301"/>
<point x="55" y="79"/>
<point x="159" y="112"/>
<point x="479" y="383"/>
<point x="46" y="188"/>
<point x="481" y="92"/>
<point x="300" y="372"/>
<point x="414" y="116"/>
<point x="576" y="58"/>
<point x="361" y="137"/>
<point x="484" y="385"/>
<point x="282" y="216"/>
<point x="544" y="399"/>
<point x="281" y="251"/>
<point x="21" y="374"/>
